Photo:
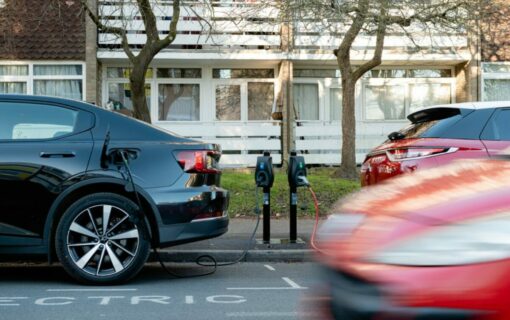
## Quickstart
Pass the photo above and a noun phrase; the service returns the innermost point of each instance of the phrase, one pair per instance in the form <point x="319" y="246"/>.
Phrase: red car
<point x="432" y="245"/>
<point x="437" y="135"/>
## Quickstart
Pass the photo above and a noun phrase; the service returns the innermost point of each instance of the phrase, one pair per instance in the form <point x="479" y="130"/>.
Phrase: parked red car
<point x="437" y="135"/>
<point x="432" y="245"/>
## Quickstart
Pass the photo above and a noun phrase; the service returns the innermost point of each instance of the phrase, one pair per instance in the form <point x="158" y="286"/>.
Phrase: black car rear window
<point x="447" y="123"/>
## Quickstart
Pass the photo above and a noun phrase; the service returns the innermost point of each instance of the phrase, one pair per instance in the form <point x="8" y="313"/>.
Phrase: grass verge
<point x="241" y="185"/>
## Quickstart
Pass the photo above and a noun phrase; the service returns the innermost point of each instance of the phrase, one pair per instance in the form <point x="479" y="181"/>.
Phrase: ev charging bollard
<point x="264" y="179"/>
<point x="297" y="178"/>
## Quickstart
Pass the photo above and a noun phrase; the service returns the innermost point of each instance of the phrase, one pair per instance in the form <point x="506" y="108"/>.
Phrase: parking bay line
<point x="292" y="286"/>
<point x="269" y="267"/>
<point x="92" y="290"/>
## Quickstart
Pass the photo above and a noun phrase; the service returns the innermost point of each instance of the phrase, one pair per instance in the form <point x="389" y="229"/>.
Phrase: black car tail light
<point x="198" y="161"/>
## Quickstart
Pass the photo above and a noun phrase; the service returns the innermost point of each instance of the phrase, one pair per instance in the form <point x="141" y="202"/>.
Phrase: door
<point x="496" y="135"/>
<point x="41" y="147"/>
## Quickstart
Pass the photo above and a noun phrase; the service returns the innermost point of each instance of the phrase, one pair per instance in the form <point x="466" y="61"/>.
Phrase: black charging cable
<point x="202" y="260"/>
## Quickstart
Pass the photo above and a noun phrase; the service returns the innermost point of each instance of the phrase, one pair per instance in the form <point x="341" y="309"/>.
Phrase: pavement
<point x="231" y="245"/>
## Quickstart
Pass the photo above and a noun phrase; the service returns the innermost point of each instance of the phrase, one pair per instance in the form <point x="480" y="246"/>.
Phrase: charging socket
<point x="264" y="177"/>
<point x="297" y="168"/>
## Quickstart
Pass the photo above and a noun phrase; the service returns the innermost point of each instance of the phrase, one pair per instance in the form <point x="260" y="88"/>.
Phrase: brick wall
<point x="495" y="35"/>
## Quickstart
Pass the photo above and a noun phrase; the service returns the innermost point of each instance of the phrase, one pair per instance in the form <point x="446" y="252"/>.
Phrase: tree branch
<point x="149" y="20"/>
<point x="172" y="30"/>
<point x="109" y="29"/>
<point x="343" y="51"/>
<point x="379" y="45"/>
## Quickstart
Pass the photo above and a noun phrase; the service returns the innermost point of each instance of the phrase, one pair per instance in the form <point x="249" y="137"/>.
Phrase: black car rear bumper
<point x="170" y="235"/>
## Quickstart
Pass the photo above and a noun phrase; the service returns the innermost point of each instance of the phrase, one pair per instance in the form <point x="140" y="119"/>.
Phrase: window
<point x="243" y="94"/>
<point x="70" y="89"/>
<point x="306" y="101"/>
<point x="179" y="102"/>
<point x="495" y="81"/>
<point x="123" y="73"/>
<point x="499" y="126"/>
<point x="32" y="121"/>
<point x="179" y="73"/>
<point x="428" y="94"/>
<point x="335" y="104"/>
<point x="243" y="73"/>
<point x="119" y="97"/>
<point x="57" y="70"/>
<point x="260" y="100"/>
<point x="384" y="102"/>
<point x="59" y="80"/>
<point x="496" y="89"/>
<point x="13" y="87"/>
<point x="392" y="94"/>
<point x="316" y="73"/>
<point x="228" y="102"/>
<point x="13" y="70"/>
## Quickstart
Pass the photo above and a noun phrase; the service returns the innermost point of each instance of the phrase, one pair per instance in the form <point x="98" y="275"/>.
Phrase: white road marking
<point x="53" y="301"/>
<point x="91" y="290"/>
<point x="153" y="299"/>
<point x="190" y="300"/>
<point x="226" y="299"/>
<point x="10" y="301"/>
<point x="262" y="314"/>
<point x="293" y="286"/>
<point x="269" y="267"/>
<point x="292" y="283"/>
<point x="105" y="300"/>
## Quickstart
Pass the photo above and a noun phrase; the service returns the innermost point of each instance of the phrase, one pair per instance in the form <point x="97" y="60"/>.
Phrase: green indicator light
<point x="301" y="165"/>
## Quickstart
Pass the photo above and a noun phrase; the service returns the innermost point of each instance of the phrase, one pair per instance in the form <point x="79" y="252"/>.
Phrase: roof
<point x="42" y="30"/>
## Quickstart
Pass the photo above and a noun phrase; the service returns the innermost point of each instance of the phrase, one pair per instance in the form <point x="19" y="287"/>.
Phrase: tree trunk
<point x="348" y="168"/>
<point x="137" y="82"/>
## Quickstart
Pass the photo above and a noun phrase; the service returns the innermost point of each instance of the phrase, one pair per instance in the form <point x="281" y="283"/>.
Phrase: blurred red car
<point x="437" y="135"/>
<point x="432" y="245"/>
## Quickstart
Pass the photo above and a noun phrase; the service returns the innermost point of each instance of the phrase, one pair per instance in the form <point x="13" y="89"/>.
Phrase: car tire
<point x="93" y="252"/>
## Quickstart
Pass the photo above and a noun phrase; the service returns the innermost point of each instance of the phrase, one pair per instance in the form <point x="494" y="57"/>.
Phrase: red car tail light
<point x="203" y="161"/>
<point x="416" y="153"/>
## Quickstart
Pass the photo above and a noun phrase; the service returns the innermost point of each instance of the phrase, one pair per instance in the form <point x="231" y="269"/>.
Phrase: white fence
<point x="241" y="142"/>
<point x="225" y="26"/>
<point x="320" y="142"/>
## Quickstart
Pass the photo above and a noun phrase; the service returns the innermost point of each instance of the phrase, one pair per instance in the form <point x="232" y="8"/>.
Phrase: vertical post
<point x="266" y="232"/>
<point x="293" y="214"/>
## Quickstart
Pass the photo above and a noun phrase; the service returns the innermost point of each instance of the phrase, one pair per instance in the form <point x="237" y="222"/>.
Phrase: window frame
<point x="243" y="83"/>
<point x="207" y="90"/>
<point x="30" y="78"/>
<point x="406" y="83"/>
<point x="79" y="128"/>
<point x="324" y="91"/>
<point x="492" y="76"/>
<point x="325" y="84"/>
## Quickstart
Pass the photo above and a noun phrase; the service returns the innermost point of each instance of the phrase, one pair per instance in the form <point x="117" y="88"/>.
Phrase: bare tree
<point x="351" y="19"/>
<point x="140" y="61"/>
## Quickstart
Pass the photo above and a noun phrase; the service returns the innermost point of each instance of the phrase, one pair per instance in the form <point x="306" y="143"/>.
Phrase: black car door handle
<point x="57" y="154"/>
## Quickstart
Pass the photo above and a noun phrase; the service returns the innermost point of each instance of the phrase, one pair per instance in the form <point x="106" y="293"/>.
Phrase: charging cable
<point x="304" y="180"/>
<point x="203" y="260"/>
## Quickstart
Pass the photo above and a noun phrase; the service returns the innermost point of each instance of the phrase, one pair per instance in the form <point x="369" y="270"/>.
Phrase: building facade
<point x="254" y="84"/>
<point x="42" y="48"/>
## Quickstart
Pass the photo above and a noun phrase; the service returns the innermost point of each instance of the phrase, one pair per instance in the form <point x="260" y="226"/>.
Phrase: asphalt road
<point x="242" y="291"/>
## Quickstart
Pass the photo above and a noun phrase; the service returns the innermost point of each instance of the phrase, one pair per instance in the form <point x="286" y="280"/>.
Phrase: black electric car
<point x="66" y="193"/>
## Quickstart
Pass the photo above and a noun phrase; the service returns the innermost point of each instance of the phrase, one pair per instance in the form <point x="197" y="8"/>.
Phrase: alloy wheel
<point x="102" y="240"/>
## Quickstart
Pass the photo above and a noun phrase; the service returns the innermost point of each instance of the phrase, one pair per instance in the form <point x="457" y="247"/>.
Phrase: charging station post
<point x="264" y="179"/>
<point x="296" y="175"/>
